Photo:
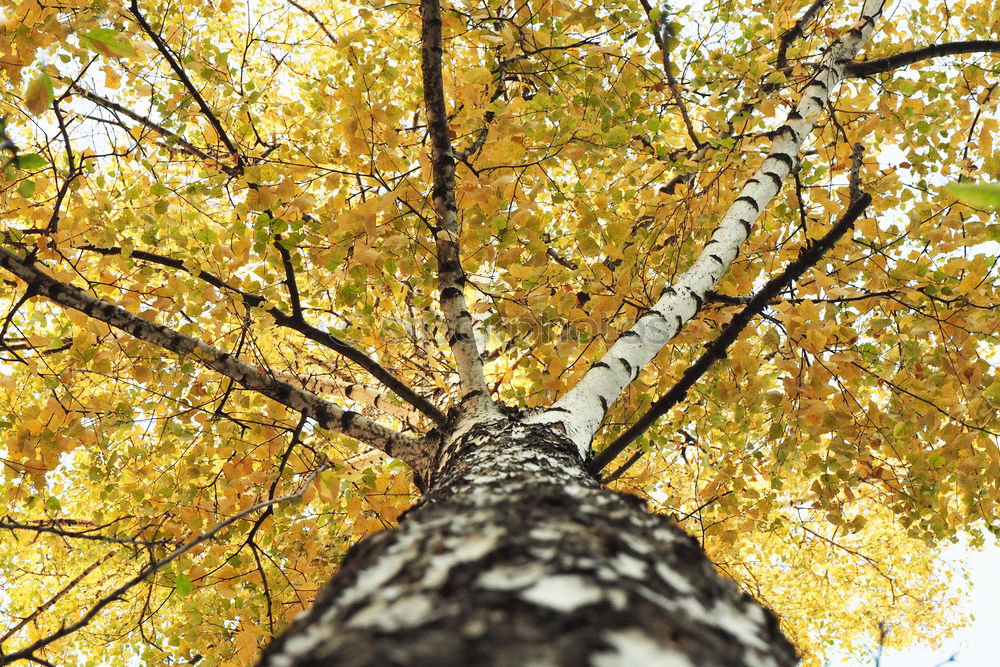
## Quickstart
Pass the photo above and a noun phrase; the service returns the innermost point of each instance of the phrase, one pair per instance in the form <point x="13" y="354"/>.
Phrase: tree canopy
<point x="251" y="183"/>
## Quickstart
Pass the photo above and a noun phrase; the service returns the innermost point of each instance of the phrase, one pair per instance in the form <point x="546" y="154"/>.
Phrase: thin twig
<point x="117" y="593"/>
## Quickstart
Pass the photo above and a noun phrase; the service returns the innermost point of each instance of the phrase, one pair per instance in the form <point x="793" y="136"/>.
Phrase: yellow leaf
<point x="39" y="95"/>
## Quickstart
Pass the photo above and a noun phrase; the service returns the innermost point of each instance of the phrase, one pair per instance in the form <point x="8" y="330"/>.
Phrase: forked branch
<point x="808" y="257"/>
<point x="296" y="323"/>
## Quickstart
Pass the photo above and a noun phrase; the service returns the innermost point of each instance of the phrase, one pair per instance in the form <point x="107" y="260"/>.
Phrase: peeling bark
<point x="516" y="556"/>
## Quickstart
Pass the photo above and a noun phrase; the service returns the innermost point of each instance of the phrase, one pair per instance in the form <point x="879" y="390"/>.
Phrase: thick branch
<point x="451" y="278"/>
<point x="808" y="257"/>
<point x="796" y="31"/>
<point x="298" y="324"/>
<point x="583" y="407"/>
<point x="889" y="63"/>
<point x="323" y="412"/>
<point x="353" y="391"/>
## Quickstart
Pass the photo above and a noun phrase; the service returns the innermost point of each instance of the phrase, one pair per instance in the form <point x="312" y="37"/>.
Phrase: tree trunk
<point x="516" y="556"/>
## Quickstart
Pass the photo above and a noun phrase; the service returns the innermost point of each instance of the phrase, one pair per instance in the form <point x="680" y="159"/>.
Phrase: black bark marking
<point x="774" y="177"/>
<point x="604" y="403"/>
<point x="791" y="130"/>
<point x="750" y="200"/>
<point x="697" y="299"/>
<point x="626" y="365"/>
<point x="783" y="157"/>
<point x="601" y="364"/>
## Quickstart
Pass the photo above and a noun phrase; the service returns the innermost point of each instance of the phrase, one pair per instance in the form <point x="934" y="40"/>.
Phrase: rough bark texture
<point x="516" y="556"/>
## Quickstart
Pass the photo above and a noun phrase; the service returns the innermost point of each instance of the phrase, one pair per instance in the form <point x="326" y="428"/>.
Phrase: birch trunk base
<point x="516" y="556"/>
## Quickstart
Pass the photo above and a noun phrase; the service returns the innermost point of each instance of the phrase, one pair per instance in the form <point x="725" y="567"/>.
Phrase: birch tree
<point x="558" y="335"/>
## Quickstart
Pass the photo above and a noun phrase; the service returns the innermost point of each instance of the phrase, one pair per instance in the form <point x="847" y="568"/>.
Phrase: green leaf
<point x="30" y="161"/>
<point x="26" y="188"/>
<point x="183" y="585"/>
<point x="977" y="195"/>
<point x="108" y="42"/>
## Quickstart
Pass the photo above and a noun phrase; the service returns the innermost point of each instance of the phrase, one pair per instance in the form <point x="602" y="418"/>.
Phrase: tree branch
<point x="290" y="283"/>
<point x="877" y="66"/>
<point x="581" y="410"/>
<point x="206" y="110"/>
<point x="311" y="14"/>
<point x="663" y="33"/>
<point x="795" y="32"/>
<point x="325" y="413"/>
<point x="451" y="278"/>
<point x="81" y="535"/>
<point x="298" y="324"/>
<point x="169" y="135"/>
<point x="808" y="257"/>
<point x="55" y="598"/>
<point x="27" y="652"/>
<point x="351" y="390"/>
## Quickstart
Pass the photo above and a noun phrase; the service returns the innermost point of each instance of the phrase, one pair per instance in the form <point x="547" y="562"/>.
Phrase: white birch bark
<point x="516" y="556"/>
<point x="583" y="407"/>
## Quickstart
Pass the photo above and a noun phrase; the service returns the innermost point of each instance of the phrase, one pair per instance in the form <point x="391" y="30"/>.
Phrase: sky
<point x="977" y="645"/>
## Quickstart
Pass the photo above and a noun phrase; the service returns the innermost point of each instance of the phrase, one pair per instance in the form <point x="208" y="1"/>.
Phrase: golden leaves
<point x="39" y="95"/>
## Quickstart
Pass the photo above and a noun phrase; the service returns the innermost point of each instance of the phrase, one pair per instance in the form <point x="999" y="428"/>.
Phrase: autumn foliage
<point x="256" y="175"/>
